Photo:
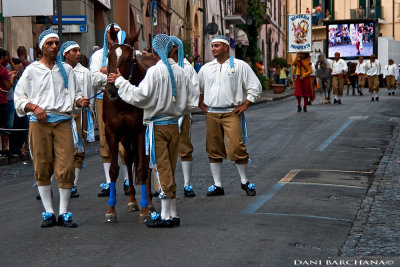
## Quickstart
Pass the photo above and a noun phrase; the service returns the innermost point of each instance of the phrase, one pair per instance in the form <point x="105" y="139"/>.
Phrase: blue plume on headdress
<point x="162" y="45"/>
<point x="58" y="59"/>
<point x="65" y="46"/>
<point x="175" y="41"/>
<point x="105" y="43"/>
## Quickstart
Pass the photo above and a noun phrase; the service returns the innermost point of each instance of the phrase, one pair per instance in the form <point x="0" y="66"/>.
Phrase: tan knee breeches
<point x="185" y="145"/>
<point x="52" y="148"/>
<point x="337" y="85"/>
<point x="373" y="83"/>
<point x="225" y="138"/>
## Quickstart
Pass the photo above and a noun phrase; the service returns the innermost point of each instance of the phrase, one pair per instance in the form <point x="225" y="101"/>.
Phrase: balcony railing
<point x="235" y="11"/>
<point x="362" y="13"/>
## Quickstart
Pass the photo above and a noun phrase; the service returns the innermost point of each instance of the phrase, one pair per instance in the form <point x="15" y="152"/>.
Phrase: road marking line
<point x="321" y="170"/>
<point x="335" y="185"/>
<point x="261" y="200"/>
<point x="303" y="216"/>
<point x="327" y="142"/>
<point x="358" y="117"/>
<point x="289" y="176"/>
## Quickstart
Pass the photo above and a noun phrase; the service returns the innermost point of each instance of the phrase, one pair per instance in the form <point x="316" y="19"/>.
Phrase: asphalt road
<point x="311" y="170"/>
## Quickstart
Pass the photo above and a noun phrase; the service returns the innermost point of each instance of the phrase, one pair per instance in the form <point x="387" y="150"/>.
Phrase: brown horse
<point x="124" y="123"/>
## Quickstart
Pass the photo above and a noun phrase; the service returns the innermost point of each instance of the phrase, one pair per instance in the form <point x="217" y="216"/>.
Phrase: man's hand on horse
<point x="103" y="70"/>
<point x="242" y="107"/>
<point x="113" y="76"/>
<point x="82" y="102"/>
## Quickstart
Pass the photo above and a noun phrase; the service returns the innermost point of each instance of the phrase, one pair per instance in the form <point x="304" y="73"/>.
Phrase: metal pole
<point x="151" y="25"/>
<point x="59" y="13"/>
<point x="204" y="29"/>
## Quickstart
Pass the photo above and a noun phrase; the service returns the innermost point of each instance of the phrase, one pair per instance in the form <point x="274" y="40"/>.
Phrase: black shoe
<point x="65" y="220"/>
<point x="126" y="187"/>
<point x="49" y="220"/>
<point x="377" y="98"/>
<point x="215" y="191"/>
<point x="74" y="192"/>
<point x="339" y="102"/>
<point x="334" y="101"/>
<point x="298" y="109"/>
<point x="188" y="190"/>
<point x="304" y="109"/>
<point x="389" y="93"/>
<point x="156" y="194"/>
<point x="393" y="93"/>
<point x="105" y="192"/>
<point x="176" y="221"/>
<point x="309" y="103"/>
<point x="38" y="197"/>
<point x="372" y="99"/>
<point x="157" y="222"/>
<point x="249" y="188"/>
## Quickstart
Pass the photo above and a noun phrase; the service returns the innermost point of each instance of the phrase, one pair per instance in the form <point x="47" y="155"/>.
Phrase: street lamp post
<point x="59" y="13"/>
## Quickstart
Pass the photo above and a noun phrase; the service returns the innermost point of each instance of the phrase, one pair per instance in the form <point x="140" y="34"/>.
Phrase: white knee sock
<point x="77" y="171"/>
<point x="242" y="168"/>
<point x="65" y="195"/>
<point x="107" y="166"/>
<point x="173" y="212"/>
<point x="45" y="195"/>
<point x="375" y="94"/>
<point x="165" y="208"/>
<point x="187" y="171"/>
<point x="125" y="170"/>
<point x="216" y="171"/>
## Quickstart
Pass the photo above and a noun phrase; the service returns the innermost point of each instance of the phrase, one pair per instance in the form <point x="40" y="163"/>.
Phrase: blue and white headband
<point x="44" y="36"/>
<point x="67" y="46"/>
<point x="220" y="38"/>
<point x="105" y="43"/>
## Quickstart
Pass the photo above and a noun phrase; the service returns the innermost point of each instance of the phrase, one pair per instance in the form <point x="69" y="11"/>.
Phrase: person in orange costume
<point x="303" y="69"/>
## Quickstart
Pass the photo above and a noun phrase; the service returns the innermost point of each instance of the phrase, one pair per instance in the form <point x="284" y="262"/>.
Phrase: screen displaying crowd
<point x="351" y="40"/>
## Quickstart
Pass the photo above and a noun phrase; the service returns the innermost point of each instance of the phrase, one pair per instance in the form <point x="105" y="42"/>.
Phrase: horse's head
<point x="122" y="57"/>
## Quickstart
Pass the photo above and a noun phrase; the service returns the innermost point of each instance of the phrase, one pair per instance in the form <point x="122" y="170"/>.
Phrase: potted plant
<point x="268" y="83"/>
<point x="278" y="88"/>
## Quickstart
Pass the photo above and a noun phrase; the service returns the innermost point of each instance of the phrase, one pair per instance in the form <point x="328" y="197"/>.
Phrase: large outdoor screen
<point x="351" y="39"/>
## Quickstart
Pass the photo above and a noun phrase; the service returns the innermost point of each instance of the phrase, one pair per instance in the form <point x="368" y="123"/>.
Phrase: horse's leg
<point x="142" y="172"/>
<point x="149" y="194"/>
<point x="129" y="155"/>
<point x="112" y="142"/>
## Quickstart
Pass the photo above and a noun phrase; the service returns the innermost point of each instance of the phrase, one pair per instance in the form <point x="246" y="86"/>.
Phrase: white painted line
<point x="334" y="185"/>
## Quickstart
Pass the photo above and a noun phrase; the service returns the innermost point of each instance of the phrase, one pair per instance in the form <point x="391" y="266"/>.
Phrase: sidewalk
<point x="376" y="229"/>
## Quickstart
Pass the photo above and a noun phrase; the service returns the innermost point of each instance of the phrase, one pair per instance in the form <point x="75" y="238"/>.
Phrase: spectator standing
<point x="197" y="64"/>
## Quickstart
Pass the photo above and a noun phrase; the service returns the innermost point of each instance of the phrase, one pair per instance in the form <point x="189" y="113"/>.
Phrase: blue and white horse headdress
<point x="105" y="43"/>
<point x="175" y="41"/>
<point x="162" y="44"/>
<point x="67" y="46"/>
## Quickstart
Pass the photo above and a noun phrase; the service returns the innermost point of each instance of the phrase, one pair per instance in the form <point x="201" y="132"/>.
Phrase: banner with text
<point x="299" y="33"/>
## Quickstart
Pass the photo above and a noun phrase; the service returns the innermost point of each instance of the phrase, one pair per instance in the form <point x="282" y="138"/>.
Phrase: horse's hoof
<point x="110" y="218"/>
<point x="133" y="206"/>
<point x="143" y="217"/>
<point x="151" y="208"/>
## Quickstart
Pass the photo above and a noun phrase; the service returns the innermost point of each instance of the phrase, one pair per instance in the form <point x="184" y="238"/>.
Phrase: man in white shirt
<point x="339" y="69"/>
<point x="185" y="144"/>
<point x="71" y="54"/>
<point x="46" y="91"/>
<point x="390" y="75"/>
<point x="227" y="87"/>
<point x="361" y="74"/>
<point x="98" y="69"/>
<point x="373" y="68"/>
<point x="164" y="94"/>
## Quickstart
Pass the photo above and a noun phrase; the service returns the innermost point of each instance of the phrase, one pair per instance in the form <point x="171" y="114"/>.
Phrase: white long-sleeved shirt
<point x="154" y="93"/>
<point x="390" y="70"/>
<point x="84" y="81"/>
<point x="373" y="68"/>
<point x="339" y="66"/>
<point x="99" y="80"/>
<point x="44" y="87"/>
<point x="192" y="75"/>
<point x="360" y="68"/>
<point x="223" y="88"/>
